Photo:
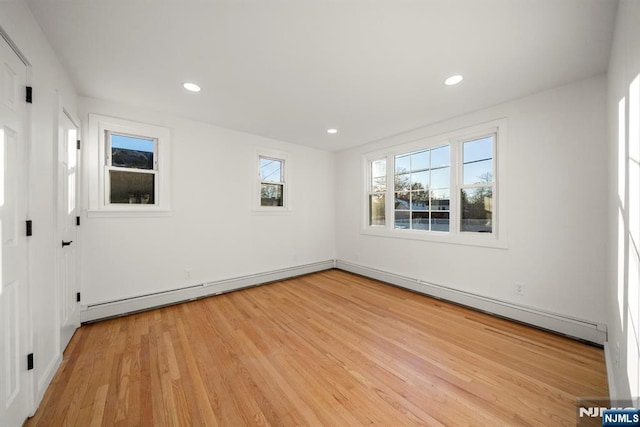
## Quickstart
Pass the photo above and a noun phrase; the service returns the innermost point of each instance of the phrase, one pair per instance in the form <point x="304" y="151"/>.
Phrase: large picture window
<point x="443" y="188"/>
<point x="422" y="182"/>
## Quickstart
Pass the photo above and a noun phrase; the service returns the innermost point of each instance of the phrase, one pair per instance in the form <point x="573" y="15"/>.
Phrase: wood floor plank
<point x="329" y="348"/>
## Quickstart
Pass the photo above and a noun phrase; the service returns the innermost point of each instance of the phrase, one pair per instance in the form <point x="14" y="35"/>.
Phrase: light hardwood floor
<point x="330" y="349"/>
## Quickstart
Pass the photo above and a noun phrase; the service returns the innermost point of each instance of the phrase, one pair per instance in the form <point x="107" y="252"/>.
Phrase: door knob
<point x="66" y="243"/>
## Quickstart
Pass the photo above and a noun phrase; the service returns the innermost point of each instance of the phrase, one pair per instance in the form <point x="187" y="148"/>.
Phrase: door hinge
<point x="29" y="361"/>
<point x="29" y="96"/>
<point x="77" y="220"/>
<point x="78" y="144"/>
<point x="29" y="230"/>
<point x="77" y="296"/>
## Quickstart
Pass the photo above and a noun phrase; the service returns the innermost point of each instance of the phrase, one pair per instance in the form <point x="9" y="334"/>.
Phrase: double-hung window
<point x="478" y="185"/>
<point x="442" y="188"/>
<point x="272" y="186"/>
<point x="132" y="169"/>
<point x="377" y="192"/>
<point x="133" y="176"/>
<point x="273" y="182"/>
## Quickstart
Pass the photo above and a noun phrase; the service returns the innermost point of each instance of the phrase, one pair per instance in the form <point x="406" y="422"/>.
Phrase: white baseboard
<point x="109" y="309"/>
<point x="592" y="332"/>
<point x="578" y="328"/>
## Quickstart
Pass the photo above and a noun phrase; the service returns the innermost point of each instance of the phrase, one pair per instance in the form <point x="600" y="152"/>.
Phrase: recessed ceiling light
<point x="332" y="131"/>
<point x="191" y="87"/>
<point x="453" y="80"/>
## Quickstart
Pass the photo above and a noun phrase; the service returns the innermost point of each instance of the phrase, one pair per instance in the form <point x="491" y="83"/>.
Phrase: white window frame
<point x="370" y="192"/>
<point x="286" y="183"/>
<point x="496" y="239"/>
<point x="100" y="128"/>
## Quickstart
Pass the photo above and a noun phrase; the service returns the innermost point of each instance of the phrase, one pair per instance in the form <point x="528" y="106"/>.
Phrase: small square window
<point x="132" y="169"/>
<point x="135" y="173"/>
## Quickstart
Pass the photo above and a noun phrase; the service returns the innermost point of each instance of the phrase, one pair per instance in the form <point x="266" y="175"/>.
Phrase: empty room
<point x="324" y="213"/>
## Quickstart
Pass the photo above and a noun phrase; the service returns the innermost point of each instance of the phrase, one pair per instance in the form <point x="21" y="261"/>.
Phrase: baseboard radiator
<point x="592" y="332"/>
<point x="585" y="330"/>
<point x="105" y="310"/>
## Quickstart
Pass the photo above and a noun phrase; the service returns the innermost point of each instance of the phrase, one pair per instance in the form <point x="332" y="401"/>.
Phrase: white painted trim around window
<point x="96" y="154"/>
<point x="257" y="208"/>
<point x="496" y="239"/>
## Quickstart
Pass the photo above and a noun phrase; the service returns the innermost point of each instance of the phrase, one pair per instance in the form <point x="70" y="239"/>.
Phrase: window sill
<point x="129" y="213"/>
<point x="271" y="211"/>
<point x="480" y="239"/>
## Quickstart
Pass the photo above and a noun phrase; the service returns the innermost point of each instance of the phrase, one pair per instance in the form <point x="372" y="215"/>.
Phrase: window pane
<point x="420" y="180"/>
<point x="479" y="149"/>
<point x="378" y="168"/>
<point x="379" y="184"/>
<point x="271" y="195"/>
<point x="72" y="153"/>
<point x="420" y="220"/>
<point x="440" y="157"/>
<point x="440" y="200"/>
<point x="477" y="210"/>
<point x="478" y="161"/>
<point x="420" y="160"/>
<point x="376" y="209"/>
<point x="132" y="152"/>
<point x="271" y="170"/>
<point x="440" y="178"/>
<point x="71" y="192"/>
<point x="132" y="187"/>
<point x="439" y="221"/>
<point x="403" y="163"/>
<point x="402" y="219"/>
<point x="419" y="200"/>
<point x="478" y="172"/>
<point x="402" y="201"/>
<point x="403" y="181"/>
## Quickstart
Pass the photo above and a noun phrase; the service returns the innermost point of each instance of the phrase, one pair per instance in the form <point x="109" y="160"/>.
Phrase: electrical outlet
<point x="519" y="288"/>
<point x="187" y="273"/>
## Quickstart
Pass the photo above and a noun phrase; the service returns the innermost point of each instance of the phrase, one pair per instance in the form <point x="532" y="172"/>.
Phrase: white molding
<point x="95" y="153"/>
<point x="609" y="360"/>
<point x="43" y="382"/>
<point x="109" y="309"/>
<point x="586" y="330"/>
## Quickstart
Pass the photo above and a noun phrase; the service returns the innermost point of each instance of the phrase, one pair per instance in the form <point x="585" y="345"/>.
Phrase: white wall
<point x="556" y="205"/>
<point x="212" y="229"/>
<point x="556" y="201"/>
<point x="623" y="355"/>
<point x="52" y="90"/>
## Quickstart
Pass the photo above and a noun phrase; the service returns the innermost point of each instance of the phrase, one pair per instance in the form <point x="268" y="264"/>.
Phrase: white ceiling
<point x="290" y="69"/>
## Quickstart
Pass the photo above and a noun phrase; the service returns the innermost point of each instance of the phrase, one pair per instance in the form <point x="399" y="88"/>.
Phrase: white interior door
<point x="67" y="212"/>
<point x="14" y="316"/>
